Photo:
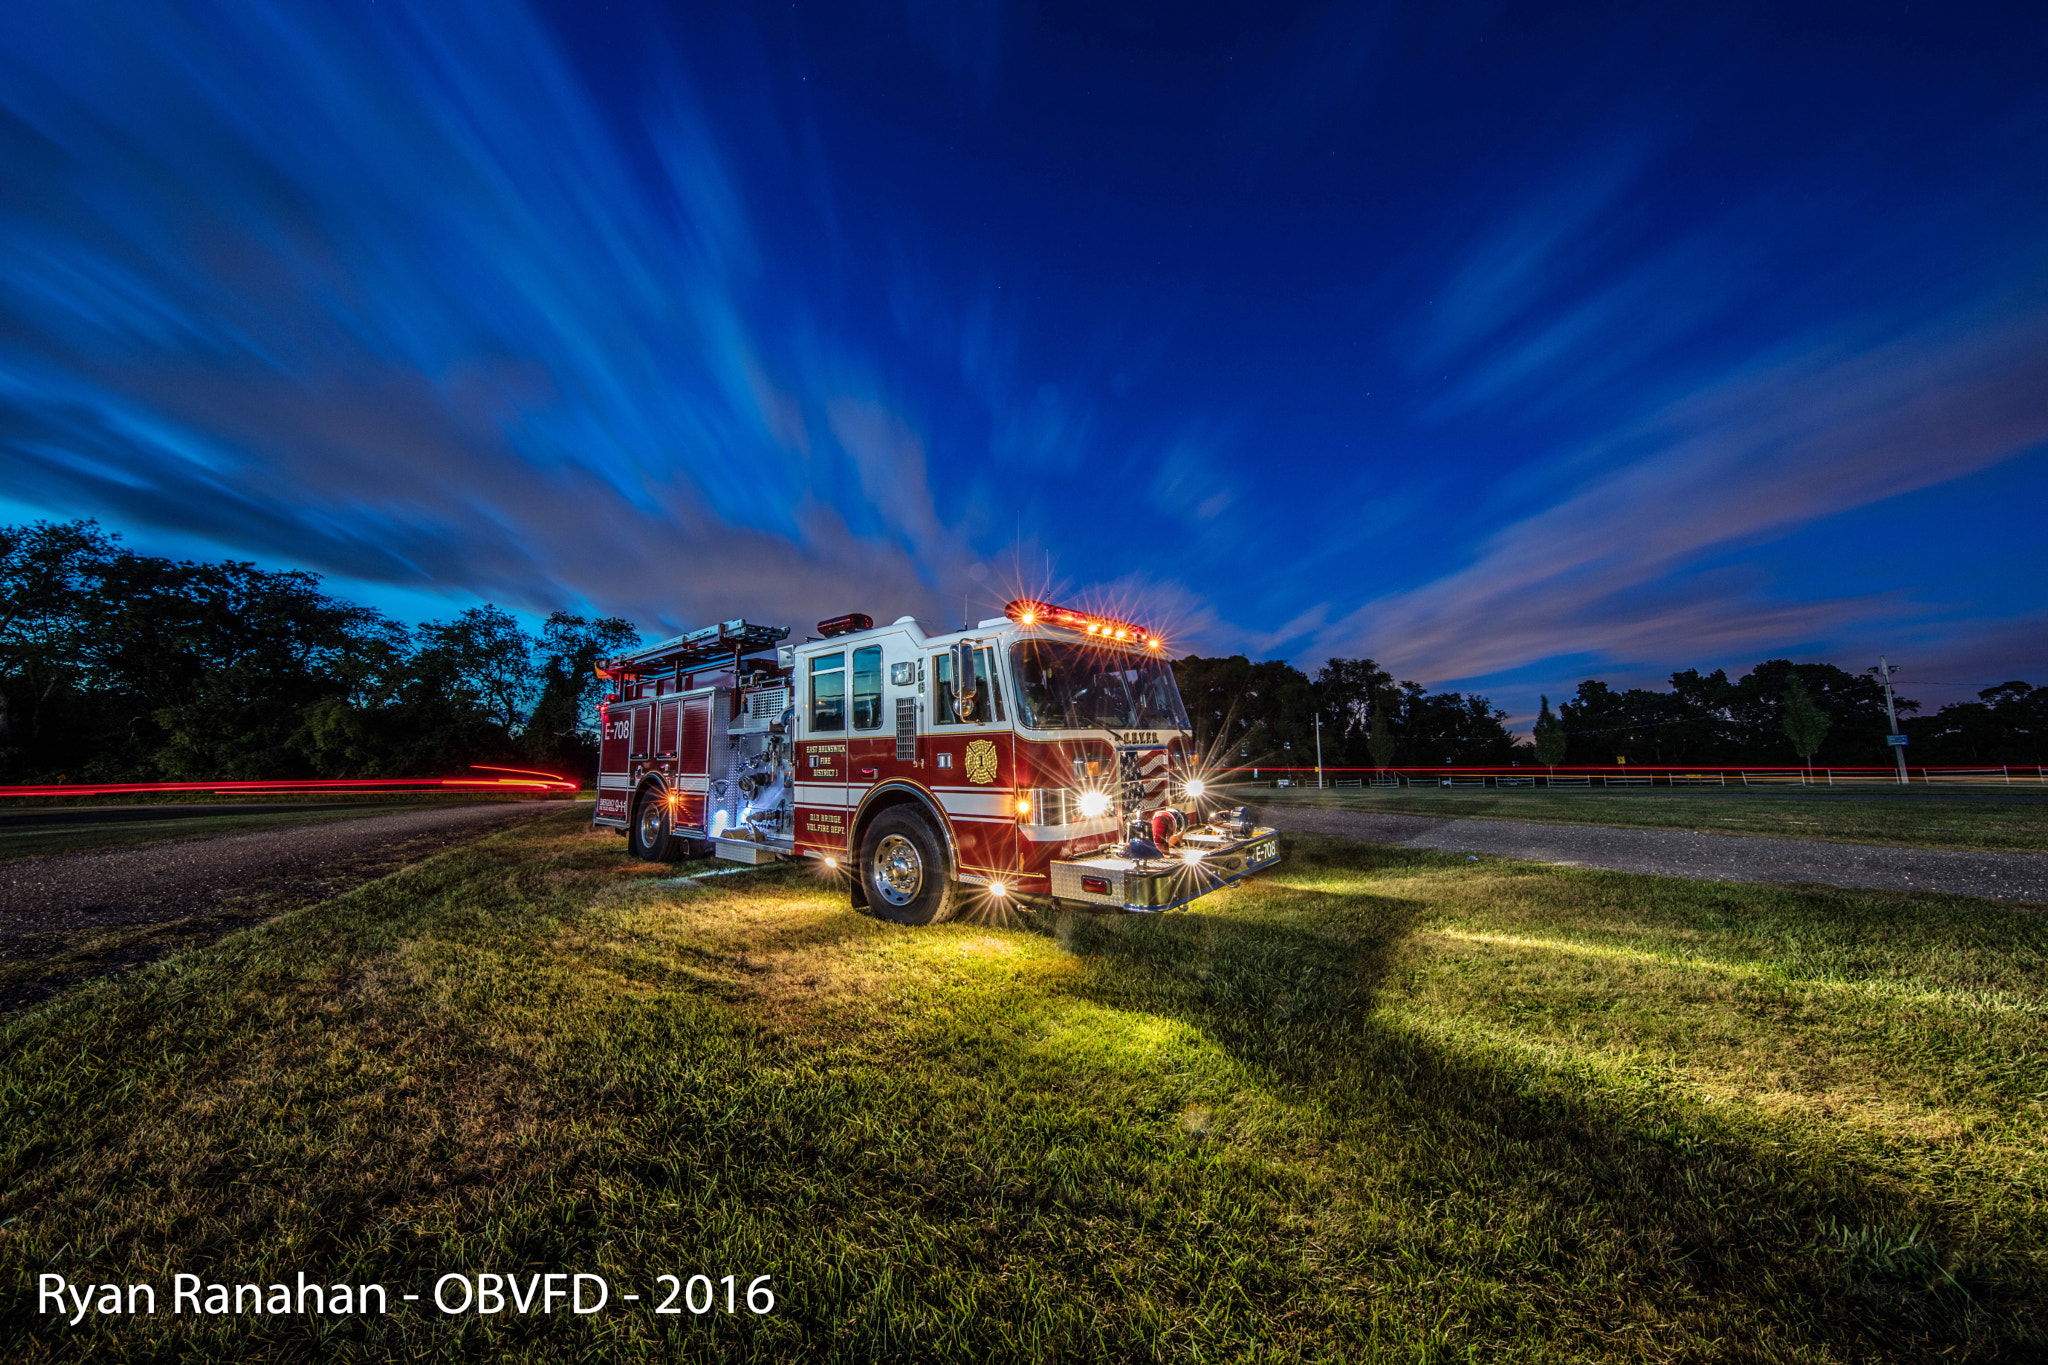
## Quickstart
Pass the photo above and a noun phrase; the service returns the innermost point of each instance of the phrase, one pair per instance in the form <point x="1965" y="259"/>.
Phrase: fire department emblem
<point x="980" y="761"/>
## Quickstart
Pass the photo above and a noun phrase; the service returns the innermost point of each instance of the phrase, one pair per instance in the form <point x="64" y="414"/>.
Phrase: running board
<point x="745" y="851"/>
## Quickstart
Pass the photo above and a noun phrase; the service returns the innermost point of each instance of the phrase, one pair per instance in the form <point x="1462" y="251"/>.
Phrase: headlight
<point x="1196" y="786"/>
<point x="1093" y="804"/>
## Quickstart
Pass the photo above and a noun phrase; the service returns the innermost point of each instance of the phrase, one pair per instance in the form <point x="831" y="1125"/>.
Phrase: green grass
<point x="2018" y="823"/>
<point x="1381" y="1104"/>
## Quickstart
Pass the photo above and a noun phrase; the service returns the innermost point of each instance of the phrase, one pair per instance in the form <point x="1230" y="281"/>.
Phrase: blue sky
<point x="1507" y="345"/>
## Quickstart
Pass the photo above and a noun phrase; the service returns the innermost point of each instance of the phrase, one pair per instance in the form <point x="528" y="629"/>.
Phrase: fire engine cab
<point x="1042" y="753"/>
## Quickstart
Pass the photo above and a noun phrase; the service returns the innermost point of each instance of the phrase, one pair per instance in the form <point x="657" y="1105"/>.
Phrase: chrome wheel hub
<point x="898" y="870"/>
<point x="650" y="823"/>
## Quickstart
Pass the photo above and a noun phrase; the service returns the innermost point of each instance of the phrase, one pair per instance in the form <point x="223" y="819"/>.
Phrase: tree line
<point x="1780" y="713"/>
<point x="1249" y="714"/>
<point x="117" y="666"/>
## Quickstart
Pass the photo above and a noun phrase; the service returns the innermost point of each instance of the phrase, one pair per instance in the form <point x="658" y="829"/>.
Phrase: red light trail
<point x="526" y="781"/>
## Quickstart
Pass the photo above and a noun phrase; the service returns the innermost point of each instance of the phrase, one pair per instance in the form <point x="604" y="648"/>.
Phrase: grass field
<point x="1990" y="821"/>
<point x="1381" y="1104"/>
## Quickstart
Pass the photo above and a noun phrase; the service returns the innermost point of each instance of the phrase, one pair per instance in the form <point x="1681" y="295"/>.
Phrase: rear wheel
<point x="648" y="840"/>
<point x="903" y="870"/>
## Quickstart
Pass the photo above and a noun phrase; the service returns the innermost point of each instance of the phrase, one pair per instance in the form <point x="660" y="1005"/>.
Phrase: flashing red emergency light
<point x="846" y="625"/>
<point x="1026" y="612"/>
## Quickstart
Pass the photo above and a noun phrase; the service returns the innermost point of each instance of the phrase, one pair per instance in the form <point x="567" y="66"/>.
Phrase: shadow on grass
<point x="1283" y="995"/>
<point x="1611" y="1197"/>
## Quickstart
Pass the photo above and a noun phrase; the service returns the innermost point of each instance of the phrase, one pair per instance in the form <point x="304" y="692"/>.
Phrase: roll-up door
<point x="694" y="756"/>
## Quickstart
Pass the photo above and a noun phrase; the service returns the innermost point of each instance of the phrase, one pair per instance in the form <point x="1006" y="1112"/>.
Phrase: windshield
<point x="1071" y="687"/>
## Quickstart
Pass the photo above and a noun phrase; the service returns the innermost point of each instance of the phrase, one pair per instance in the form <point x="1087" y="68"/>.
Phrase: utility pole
<point x="1884" y="673"/>
<point x="1319" y="751"/>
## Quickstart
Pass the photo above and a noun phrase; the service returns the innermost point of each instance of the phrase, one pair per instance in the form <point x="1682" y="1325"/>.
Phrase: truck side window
<point x="985" y="673"/>
<point x="828" y="693"/>
<point x="942" y="707"/>
<point x="867" y="688"/>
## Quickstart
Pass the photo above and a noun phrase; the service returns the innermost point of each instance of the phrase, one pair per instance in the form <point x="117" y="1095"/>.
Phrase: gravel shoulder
<point x="2015" y="877"/>
<point x="70" y="916"/>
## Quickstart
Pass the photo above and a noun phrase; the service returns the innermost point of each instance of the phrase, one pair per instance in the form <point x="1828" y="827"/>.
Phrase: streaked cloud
<point x="1618" y="566"/>
<point x="432" y="323"/>
<point x="1466" y="338"/>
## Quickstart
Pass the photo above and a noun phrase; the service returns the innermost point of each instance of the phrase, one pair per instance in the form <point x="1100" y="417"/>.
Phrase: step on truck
<point x="1044" y="753"/>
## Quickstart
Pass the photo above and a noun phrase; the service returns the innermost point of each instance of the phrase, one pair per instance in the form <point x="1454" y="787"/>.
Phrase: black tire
<point x="904" y="871"/>
<point x="647" y="837"/>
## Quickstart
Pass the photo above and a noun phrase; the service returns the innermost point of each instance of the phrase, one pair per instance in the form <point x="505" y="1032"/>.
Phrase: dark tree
<point x="1853" y="701"/>
<point x="485" y="659"/>
<point x="1380" y="741"/>
<point x="49" y="579"/>
<point x="115" y="665"/>
<point x="1345" y="692"/>
<point x="1804" y="723"/>
<point x="1247" y="714"/>
<point x="1549" y="736"/>
<point x="1449" y="728"/>
<point x="563" y="727"/>
<point x="2006" y="724"/>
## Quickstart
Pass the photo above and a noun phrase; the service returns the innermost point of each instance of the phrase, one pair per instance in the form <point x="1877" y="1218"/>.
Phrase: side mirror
<point x="963" y="679"/>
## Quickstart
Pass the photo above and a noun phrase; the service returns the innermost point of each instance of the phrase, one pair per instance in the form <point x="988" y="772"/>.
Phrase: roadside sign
<point x="1896" y="741"/>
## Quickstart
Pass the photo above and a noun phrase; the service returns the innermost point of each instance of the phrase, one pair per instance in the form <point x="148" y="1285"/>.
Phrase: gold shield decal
<point x="980" y="761"/>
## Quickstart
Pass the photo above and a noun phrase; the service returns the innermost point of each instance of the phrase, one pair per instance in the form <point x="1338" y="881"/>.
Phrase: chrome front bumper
<point x="1153" y="884"/>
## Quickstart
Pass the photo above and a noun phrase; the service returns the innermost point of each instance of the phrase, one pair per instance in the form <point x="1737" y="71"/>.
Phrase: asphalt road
<point x="1678" y="853"/>
<point x="158" y="882"/>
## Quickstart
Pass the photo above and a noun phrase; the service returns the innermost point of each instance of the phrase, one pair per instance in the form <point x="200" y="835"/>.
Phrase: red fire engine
<point x="1044" y="752"/>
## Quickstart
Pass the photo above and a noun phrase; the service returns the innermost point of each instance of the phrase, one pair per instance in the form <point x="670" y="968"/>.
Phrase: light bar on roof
<point x="1027" y="612"/>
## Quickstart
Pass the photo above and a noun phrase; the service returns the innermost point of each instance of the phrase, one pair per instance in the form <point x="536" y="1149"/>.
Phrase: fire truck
<point x="1042" y="753"/>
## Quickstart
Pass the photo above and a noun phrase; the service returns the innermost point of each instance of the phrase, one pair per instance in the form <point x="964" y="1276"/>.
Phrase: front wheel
<point x="648" y="839"/>
<point x="903" y="870"/>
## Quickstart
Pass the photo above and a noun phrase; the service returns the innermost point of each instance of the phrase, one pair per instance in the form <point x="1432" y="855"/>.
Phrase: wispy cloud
<point x="1520" y="266"/>
<point x="1817" y="427"/>
<point x="423" y="297"/>
<point x="382" y="293"/>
